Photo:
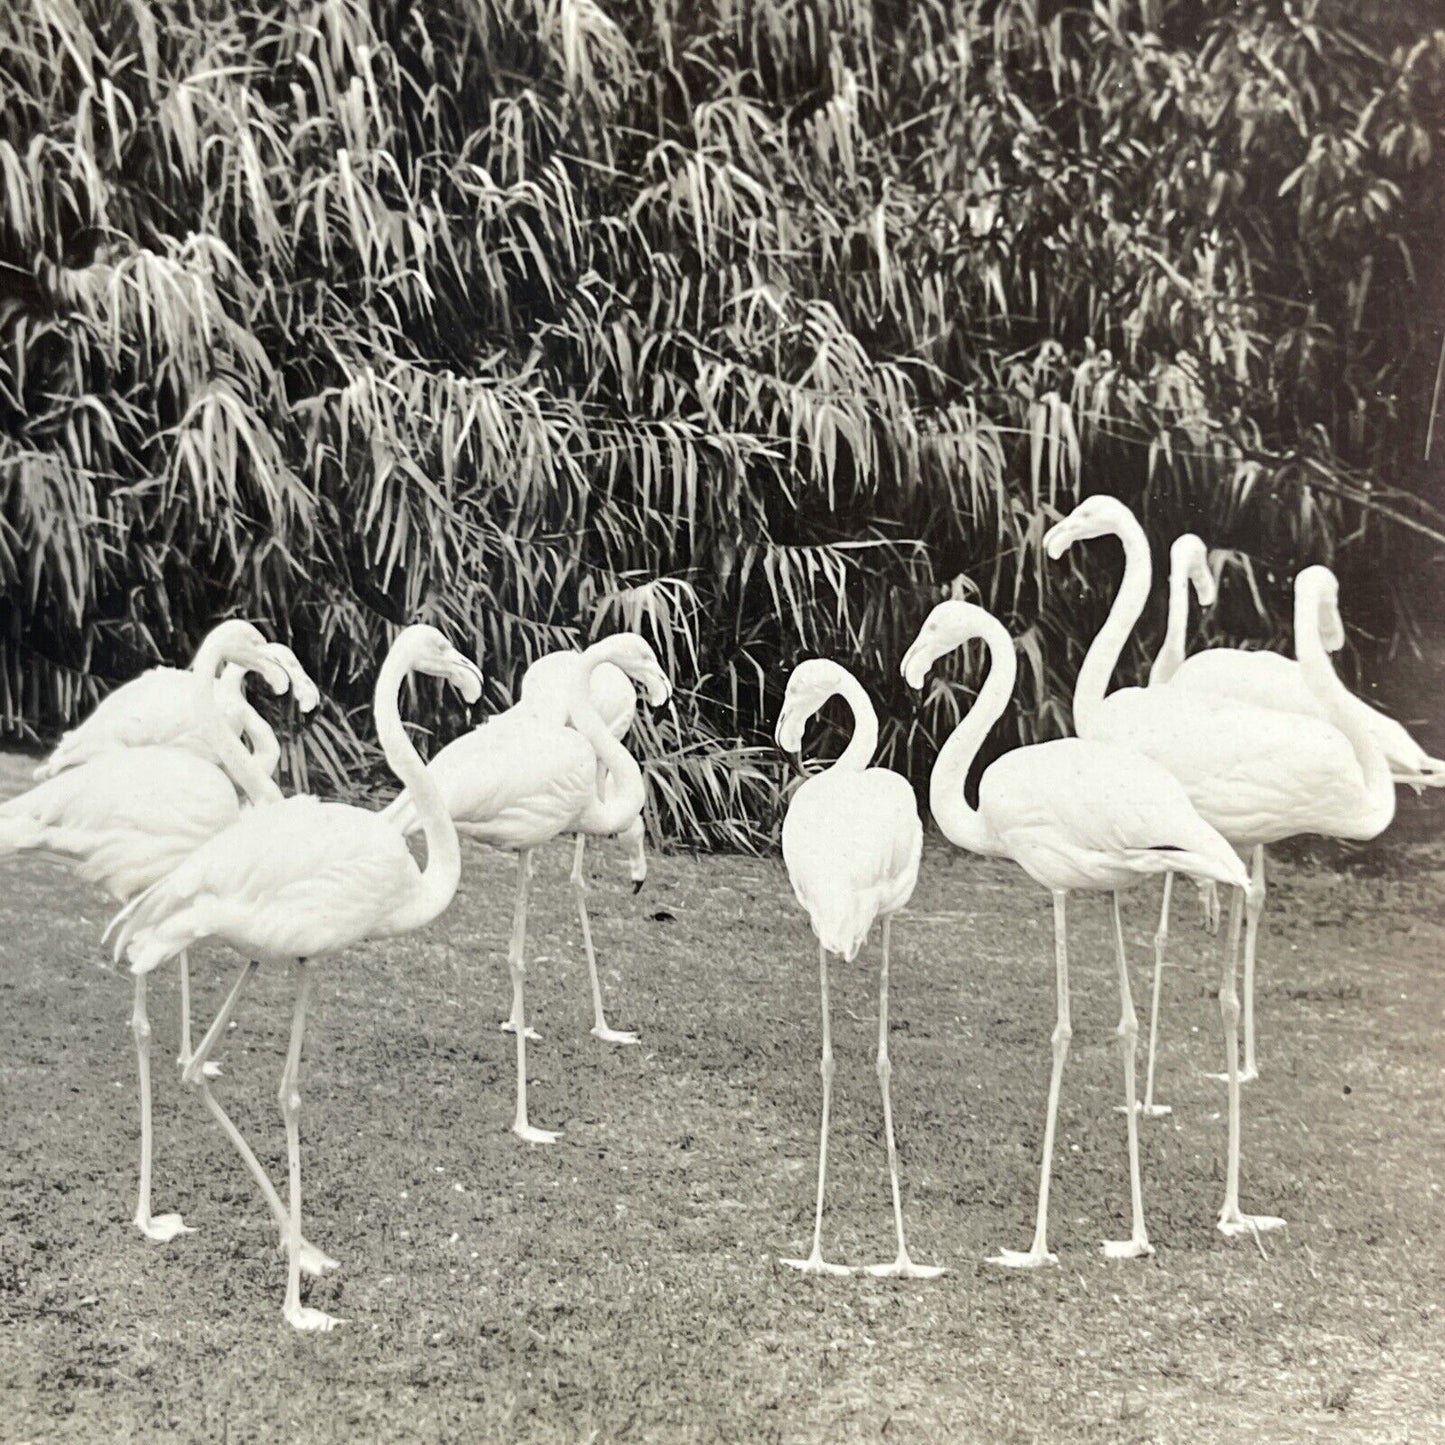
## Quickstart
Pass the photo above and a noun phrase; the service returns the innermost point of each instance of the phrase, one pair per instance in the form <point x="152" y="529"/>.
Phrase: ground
<point x="624" y="1285"/>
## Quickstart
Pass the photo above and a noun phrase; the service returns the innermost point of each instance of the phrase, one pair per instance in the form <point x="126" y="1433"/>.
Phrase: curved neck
<point x="621" y="793"/>
<point x="1341" y="708"/>
<point x="242" y="767"/>
<point x="443" y="869"/>
<point x="256" y="732"/>
<point x="963" y="826"/>
<point x="1171" y="653"/>
<point x="1103" y="654"/>
<point x="864" y="742"/>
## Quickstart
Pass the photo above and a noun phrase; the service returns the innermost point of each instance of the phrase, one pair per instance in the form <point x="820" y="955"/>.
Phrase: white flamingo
<point x="127" y="816"/>
<point x="1256" y="774"/>
<point x="1073" y="815"/>
<point x="157" y="709"/>
<point x="547" y="687"/>
<point x="302" y="879"/>
<point x="852" y="842"/>
<point x="1262" y="679"/>
<point x="530" y="775"/>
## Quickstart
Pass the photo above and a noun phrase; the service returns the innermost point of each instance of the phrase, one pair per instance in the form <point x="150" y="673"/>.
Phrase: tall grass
<point x="753" y="324"/>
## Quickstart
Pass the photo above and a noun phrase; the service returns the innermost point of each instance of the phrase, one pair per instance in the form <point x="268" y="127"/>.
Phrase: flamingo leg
<point x="1231" y="1221"/>
<point x="509" y="1025"/>
<point x="517" y="963"/>
<point x="1150" y="1109"/>
<point x="313" y="1261"/>
<point x="1038" y="1253"/>
<point x="160" y="1227"/>
<point x="1137" y="1244"/>
<point x="298" y="1316"/>
<point x="212" y="1069"/>
<point x="635" y="838"/>
<point x="903" y="1266"/>
<point x="815" y="1263"/>
<point x="600" y="1030"/>
<point x="1253" y="910"/>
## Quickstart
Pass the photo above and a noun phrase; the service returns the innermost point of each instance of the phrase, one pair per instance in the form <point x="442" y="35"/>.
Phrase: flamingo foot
<point x="1146" y="1111"/>
<point x="615" y="1036"/>
<point x="816" y="1264"/>
<point x="1236" y="1225"/>
<point x="302" y="1317"/>
<point x="508" y="1027"/>
<point x="1019" y="1259"/>
<point x="1246" y="1076"/>
<point x="529" y="1135"/>
<point x="904" y="1268"/>
<point x="162" y="1227"/>
<point x="1127" y="1248"/>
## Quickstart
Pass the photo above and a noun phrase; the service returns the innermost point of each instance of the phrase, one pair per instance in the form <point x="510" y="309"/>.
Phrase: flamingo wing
<point x="156" y="709"/>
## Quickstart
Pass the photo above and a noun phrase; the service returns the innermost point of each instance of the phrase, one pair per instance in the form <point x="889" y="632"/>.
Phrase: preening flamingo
<point x="128" y="815"/>
<point x="1073" y="815"/>
<point x="525" y="777"/>
<point x="852" y="842"/>
<point x="302" y="879"/>
<point x="1256" y="774"/>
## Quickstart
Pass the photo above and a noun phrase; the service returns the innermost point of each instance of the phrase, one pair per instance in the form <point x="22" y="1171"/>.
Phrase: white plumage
<point x="1073" y="814"/>
<point x="852" y="842"/>
<point x="302" y="879"/>
<point x="548" y="765"/>
<point x="1256" y="774"/>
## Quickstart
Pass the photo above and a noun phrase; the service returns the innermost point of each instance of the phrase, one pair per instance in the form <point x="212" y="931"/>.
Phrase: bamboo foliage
<point x="754" y="325"/>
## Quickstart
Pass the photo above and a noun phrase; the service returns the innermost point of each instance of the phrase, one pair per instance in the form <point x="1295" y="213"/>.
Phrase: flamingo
<point x="128" y="816"/>
<point x="1263" y="679"/>
<point x="1256" y="774"/>
<point x="546" y="686"/>
<point x="852" y="843"/>
<point x="525" y="777"/>
<point x="1072" y="814"/>
<point x="303" y="879"/>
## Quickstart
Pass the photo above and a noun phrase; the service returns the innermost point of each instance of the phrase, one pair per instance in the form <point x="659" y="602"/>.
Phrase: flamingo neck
<point x="1342" y="710"/>
<point x="1103" y="654"/>
<point x="620" y="794"/>
<point x="1171" y="653"/>
<point x="864" y="742"/>
<point x="438" y="881"/>
<point x="256" y="732"/>
<point x="963" y="826"/>
<point x="242" y="767"/>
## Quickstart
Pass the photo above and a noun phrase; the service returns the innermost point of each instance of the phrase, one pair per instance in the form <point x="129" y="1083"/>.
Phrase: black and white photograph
<point x="722" y="721"/>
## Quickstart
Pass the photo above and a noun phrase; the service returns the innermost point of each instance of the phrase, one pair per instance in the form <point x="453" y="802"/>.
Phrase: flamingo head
<point x="811" y="684"/>
<point x="634" y="655"/>
<point x="245" y="645"/>
<point x="1099" y="516"/>
<point x="1189" y="557"/>
<point x="429" y="652"/>
<point x="1318" y="588"/>
<point x="948" y="626"/>
<point x="303" y="689"/>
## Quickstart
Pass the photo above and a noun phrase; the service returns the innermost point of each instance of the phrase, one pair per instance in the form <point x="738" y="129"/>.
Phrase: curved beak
<point x="788" y="734"/>
<point x="1205" y="588"/>
<point x="463" y="674"/>
<point x="303" y="689"/>
<point x="1058" y="539"/>
<point x="917" y="661"/>
<point x="659" y="687"/>
<point x="262" y="660"/>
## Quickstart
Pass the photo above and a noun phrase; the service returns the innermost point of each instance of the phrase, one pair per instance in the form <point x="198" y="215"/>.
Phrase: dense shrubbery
<point x="749" y="322"/>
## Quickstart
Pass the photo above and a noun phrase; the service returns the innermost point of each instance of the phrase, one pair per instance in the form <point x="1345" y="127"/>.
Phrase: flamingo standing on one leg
<point x="1072" y="814"/>
<point x="302" y="879"/>
<point x="1256" y="774"/>
<point x="546" y="686"/>
<point x="852" y="843"/>
<point x="1266" y="679"/>
<point x="531" y="774"/>
<point x="128" y="815"/>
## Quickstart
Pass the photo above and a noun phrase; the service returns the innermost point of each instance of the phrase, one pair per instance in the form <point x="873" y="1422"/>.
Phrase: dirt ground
<point x="623" y="1285"/>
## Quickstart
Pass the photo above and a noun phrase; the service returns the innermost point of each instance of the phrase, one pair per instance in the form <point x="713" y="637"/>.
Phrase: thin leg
<point x="600" y="1029"/>
<point x="1231" y="1221"/>
<point x="194" y="1069"/>
<point x="1038" y="1253"/>
<point x="815" y="1263"/>
<point x="298" y="1316"/>
<point x="1138" y="1242"/>
<point x="635" y="840"/>
<point x="161" y="1227"/>
<point x="1151" y="1110"/>
<point x="212" y="1069"/>
<point x="517" y="962"/>
<point x="1253" y="909"/>
<point x="509" y="1025"/>
<point x="902" y="1266"/>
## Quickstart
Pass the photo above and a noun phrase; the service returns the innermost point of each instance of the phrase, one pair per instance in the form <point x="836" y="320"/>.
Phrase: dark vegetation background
<point x="751" y="323"/>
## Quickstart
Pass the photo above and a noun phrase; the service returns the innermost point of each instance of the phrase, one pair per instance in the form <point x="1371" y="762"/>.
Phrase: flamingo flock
<point x="166" y="798"/>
